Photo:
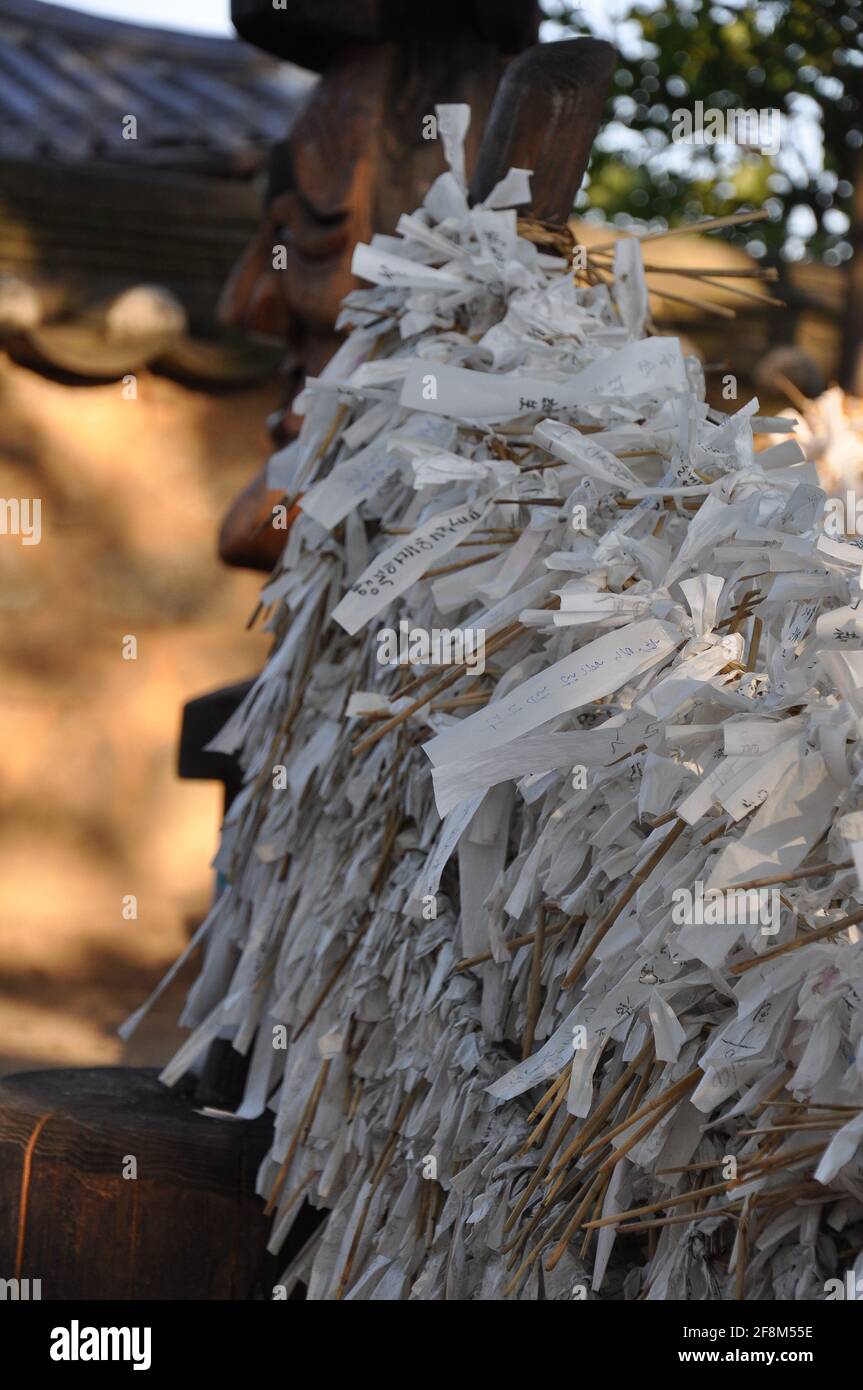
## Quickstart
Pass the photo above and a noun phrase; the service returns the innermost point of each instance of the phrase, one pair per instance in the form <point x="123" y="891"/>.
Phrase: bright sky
<point x="199" y="16"/>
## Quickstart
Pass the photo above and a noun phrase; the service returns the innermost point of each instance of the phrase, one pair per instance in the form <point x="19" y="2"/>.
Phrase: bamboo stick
<point x="533" y="997"/>
<point x="573" y="1224"/>
<point x="535" y="1179"/>
<point x="597" y="1207"/>
<point x="461" y="565"/>
<point x="704" y="305"/>
<point x="714" y="278"/>
<point x="826" y="1123"/>
<point x="673" y="1092"/>
<point x="706" y="224"/>
<point x="682" y="1199"/>
<point x="535" y="1253"/>
<point x="517" y="942"/>
<point x="814" y="871"/>
<point x="795" y="396"/>
<point x="598" y="1186"/>
<point x="614" y="912"/>
<point x="305" y="1122"/>
<point x="493" y="645"/>
<point x="548" y="1095"/>
<point x="680" y="1219"/>
<point x="718" y="272"/>
<point x="605" y="1107"/>
<point x="377" y="1177"/>
<point x="754" y="644"/>
<point x="545" y="1123"/>
<point x="819" y="934"/>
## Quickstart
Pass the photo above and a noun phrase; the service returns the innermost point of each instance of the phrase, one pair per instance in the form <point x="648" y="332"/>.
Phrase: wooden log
<point x="189" y="1226"/>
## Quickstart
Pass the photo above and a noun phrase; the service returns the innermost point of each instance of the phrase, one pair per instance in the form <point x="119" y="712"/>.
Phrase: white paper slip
<point x="656" y="364"/>
<point x="453" y="118"/>
<point x="496" y="233"/>
<point x="453" y="591"/>
<point x="631" y="291"/>
<point x="402" y="563"/>
<point x="702" y="594"/>
<point x="785" y="828"/>
<point x="850" y="827"/>
<point x="773" y="424"/>
<point x="841" y="1149"/>
<point x="781" y="455"/>
<point x="451" y="832"/>
<point x="843" y="624"/>
<point x="548" y="1061"/>
<point x="511" y="191"/>
<point x="366" y="426"/>
<point x="588" y="674"/>
<point x="688" y="678"/>
<point x="282" y="466"/>
<point x="754" y="736"/>
<point x="743" y="797"/>
<point x="316" y="752"/>
<point x="383" y="268"/>
<point x="702" y="797"/>
<point x="539" y="753"/>
<point x="847" y="552"/>
<point x="582" y="609"/>
<point x="567" y="443"/>
<point x="350" y="483"/>
<point x="516" y="561"/>
<point x="499" y="614"/>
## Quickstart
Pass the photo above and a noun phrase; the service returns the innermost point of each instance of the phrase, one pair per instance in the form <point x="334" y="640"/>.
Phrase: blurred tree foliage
<point x="802" y="57"/>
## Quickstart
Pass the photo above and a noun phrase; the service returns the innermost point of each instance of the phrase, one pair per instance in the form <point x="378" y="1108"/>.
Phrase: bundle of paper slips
<point x="541" y="921"/>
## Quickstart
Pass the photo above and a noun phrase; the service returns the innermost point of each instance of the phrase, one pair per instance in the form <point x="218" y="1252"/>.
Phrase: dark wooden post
<point x="545" y="117"/>
<point x="203" y="718"/>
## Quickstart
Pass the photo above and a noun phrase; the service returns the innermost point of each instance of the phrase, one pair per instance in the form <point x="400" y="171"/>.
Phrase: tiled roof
<point x="68" y="79"/>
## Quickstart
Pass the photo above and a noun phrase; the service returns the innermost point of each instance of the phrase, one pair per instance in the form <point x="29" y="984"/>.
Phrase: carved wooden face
<point x="355" y="159"/>
<point x="297" y="269"/>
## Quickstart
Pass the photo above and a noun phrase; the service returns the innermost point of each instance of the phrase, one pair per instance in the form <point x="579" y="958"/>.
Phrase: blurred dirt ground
<point x="91" y="809"/>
